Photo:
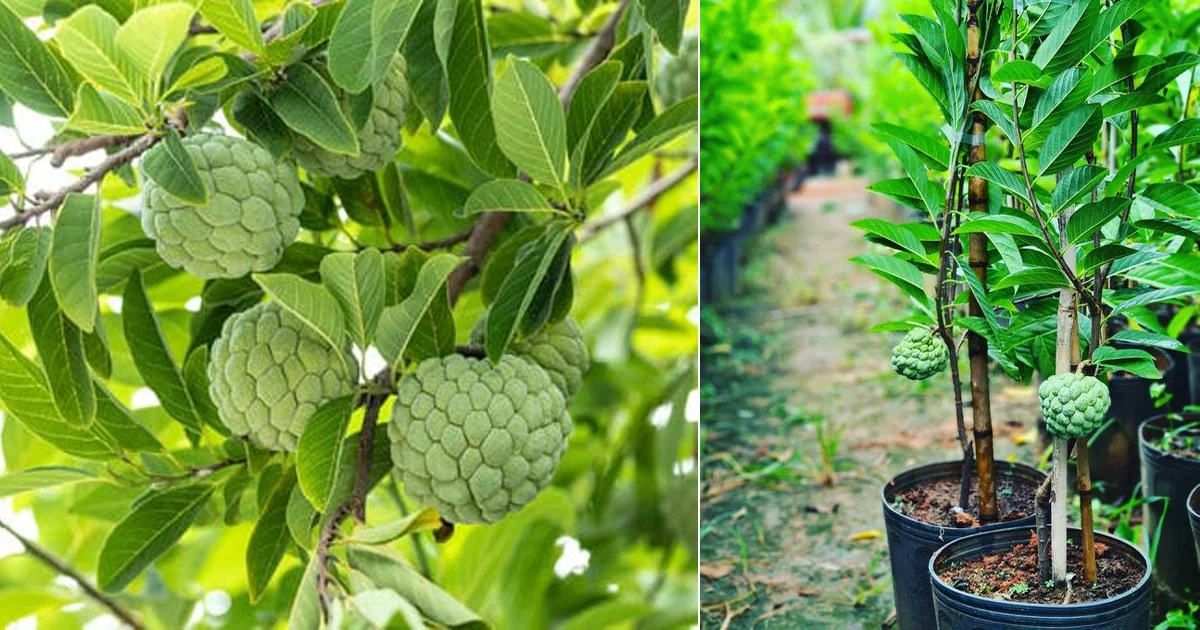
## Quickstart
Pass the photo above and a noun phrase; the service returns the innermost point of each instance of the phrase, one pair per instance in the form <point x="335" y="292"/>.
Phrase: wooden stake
<point x="1066" y="349"/>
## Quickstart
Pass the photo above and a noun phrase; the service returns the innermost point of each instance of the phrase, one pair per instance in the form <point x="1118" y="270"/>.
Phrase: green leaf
<point x="95" y="348"/>
<point x="380" y="606"/>
<point x="74" y="254"/>
<point x="104" y="114"/>
<point x="901" y="273"/>
<point x="312" y="303"/>
<point x="1172" y="198"/>
<point x="1183" y="132"/>
<point x="1172" y="66"/>
<point x="999" y="116"/>
<point x="1129" y="102"/>
<point x="530" y="125"/>
<point x="388" y="570"/>
<point x="356" y="282"/>
<point x="468" y="69"/>
<point x="1149" y="339"/>
<point x="151" y="355"/>
<point x="426" y="75"/>
<point x="894" y="235"/>
<point x="320" y="449"/>
<point x="306" y="607"/>
<point x="150" y="37"/>
<point x="301" y="517"/>
<point x="365" y="39"/>
<point x="590" y="95"/>
<point x="517" y="293"/>
<point x="31" y="74"/>
<point x="931" y="149"/>
<point x="26" y="253"/>
<point x="307" y="104"/>
<point x="667" y="18"/>
<point x="60" y="348"/>
<point x="235" y="20"/>
<point x="171" y="166"/>
<point x="11" y="179"/>
<point x="505" y="195"/>
<point x="40" y="477"/>
<point x="399" y="323"/>
<point x="1152" y="297"/>
<point x="195" y="378"/>
<point x="501" y="261"/>
<point x="1032" y="276"/>
<point x="269" y="540"/>
<point x="25" y="396"/>
<point x="146" y="533"/>
<point x="117" y="425"/>
<point x="1017" y="71"/>
<point x="426" y="520"/>
<point x="1089" y="218"/>
<point x="670" y="124"/>
<point x="1136" y="362"/>
<point x="1070" y="139"/>
<point x="1070" y="38"/>
<point x="606" y="132"/>
<point x="88" y="40"/>
<point x="1067" y="92"/>
<point x="1076" y="184"/>
<point x="1000" y="223"/>
<point x="260" y="123"/>
<point x="200" y="74"/>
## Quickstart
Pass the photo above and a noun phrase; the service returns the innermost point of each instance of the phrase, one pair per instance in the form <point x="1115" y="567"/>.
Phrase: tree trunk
<point x="1066" y="347"/>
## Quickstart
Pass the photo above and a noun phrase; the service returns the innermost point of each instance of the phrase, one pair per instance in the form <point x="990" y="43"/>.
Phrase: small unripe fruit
<point x="268" y="373"/>
<point x="1074" y="405"/>
<point x="252" y="214"/>
<point x="475" y="440"/>
<point x="378" y="139"/>
<point x="920" y="355"/>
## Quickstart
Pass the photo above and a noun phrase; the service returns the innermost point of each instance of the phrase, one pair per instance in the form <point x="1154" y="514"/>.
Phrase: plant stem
<point x="36" y="550"/>
<point x="1083" y="472"/>
<point x="1042" y="511"/>
<point x="977" y="256"/>
<point x="1066" y="349"/>
<point x="606" y="39"/>
<point x="644" y="200"/>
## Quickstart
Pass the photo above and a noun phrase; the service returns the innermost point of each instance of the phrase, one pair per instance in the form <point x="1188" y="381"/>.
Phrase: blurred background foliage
<point x="612" y="544"/>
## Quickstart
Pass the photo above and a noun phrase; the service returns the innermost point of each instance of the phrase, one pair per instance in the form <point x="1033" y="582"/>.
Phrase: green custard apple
<point x="558" y="348"/>
<point x="1074" y="405"/>
<point x="378" y="139"/>
<point x="252" y="214"/>
<point x="269" y="371"/>
<point x="476" y="440"/>
<point x="920" y="355"/>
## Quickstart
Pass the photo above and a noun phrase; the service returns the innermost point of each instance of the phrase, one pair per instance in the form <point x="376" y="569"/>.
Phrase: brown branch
<point x="606" y="38"/>
<point x="47" y="202"/>
<point x="643" y="200"/>
<point x="84" y="146"/>
<point x="1042" y="512"/>
<point x="36" y="550"/>
<point x="201" y="472"/>
<point x="1083" y="469"/>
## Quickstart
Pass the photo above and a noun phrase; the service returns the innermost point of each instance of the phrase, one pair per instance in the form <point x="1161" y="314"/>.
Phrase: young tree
<point x="287" y="169"/>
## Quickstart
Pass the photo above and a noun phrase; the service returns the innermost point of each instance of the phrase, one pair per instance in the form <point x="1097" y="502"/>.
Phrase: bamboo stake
<point x="1065" y="347"/>
<point x="977" y="257"/>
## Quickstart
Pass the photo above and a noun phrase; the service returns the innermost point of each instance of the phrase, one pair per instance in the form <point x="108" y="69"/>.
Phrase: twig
<point x="201" y="472"/>
<point x="471" y="350"/>
<point x="50" y="201"/>
<point x="444" y="243"/>
<point x="35" y="550"/>
<point x="606" y="38"/>
<point x="646" y="198"/>
<point x="84" y="146"/>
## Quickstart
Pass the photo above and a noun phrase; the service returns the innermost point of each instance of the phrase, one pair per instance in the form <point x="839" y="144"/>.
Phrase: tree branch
<point x="36" y="550"/>
<point x="606" y="38"/>
<point x="84" y="146"/>
<point x="444" y="243"/>
<point x="643" y="200"/>
<point x="47" y="202"/>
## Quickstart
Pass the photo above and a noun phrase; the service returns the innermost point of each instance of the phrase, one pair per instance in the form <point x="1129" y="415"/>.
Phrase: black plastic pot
<point x="719" y="266"/>
<point x="1194" y="517"/>
<point x="959" y="610"/>
<point x="1116" y="467"/>
<point x="1193" y="363"/>
<point x="911" y="543"/>
<point x="1165" y="475"/>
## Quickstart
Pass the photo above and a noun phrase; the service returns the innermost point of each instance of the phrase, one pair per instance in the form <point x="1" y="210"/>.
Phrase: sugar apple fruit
<point x="252" y="214"/>
<point x="269" y="371"/>
<point x="920" y="355"/>
<point x="678" y="78"/>
<point x="1074" y="405"/>
<point x="559" y="348"/>
<point x="477" y="440"/>
<point x="378" y="139"/>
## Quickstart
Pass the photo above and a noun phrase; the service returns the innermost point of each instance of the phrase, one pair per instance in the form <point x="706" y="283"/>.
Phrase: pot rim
<point x="1193" y="514"/>
<point x="1031" y="607"/>
<point x="1144" y="443"/>
<point x="966" y="531"/>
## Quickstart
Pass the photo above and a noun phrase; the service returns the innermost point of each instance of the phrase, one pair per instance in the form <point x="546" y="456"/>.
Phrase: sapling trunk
<point x="1083" y="472"/>
<point x="1065" y="348"/>
<point x="977" y="257"/>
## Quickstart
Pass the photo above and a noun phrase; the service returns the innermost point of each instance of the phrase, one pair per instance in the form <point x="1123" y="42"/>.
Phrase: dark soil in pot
<point x="930" y="492"/>
<point x="988" y="581"/>
<point x="1013" y="575"/>
<point x="1171" y="469"/>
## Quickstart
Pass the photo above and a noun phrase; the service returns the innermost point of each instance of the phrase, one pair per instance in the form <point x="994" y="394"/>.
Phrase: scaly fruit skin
<point x="678" y="78"/>
<point x="269" y="371"/>
<point x="378" y="139"/>
<point x="559" y="348"/>
<point x="253" y="210"/>
<point x="920" y="355"/>
<point x="475" y="440"/>
<point x="1074" y="405"/>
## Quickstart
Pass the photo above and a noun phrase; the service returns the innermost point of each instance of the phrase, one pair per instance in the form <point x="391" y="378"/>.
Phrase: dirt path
<point x="788" y="368"/>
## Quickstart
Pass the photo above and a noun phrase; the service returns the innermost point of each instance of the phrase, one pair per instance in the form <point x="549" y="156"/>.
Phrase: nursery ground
<point x="787" y="369"/>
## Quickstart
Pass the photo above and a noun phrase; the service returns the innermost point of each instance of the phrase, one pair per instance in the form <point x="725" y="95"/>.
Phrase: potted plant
<point x="1054" y="67"/>
<point x="1193" y="507"/>
<point x="1170" y="448"/>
